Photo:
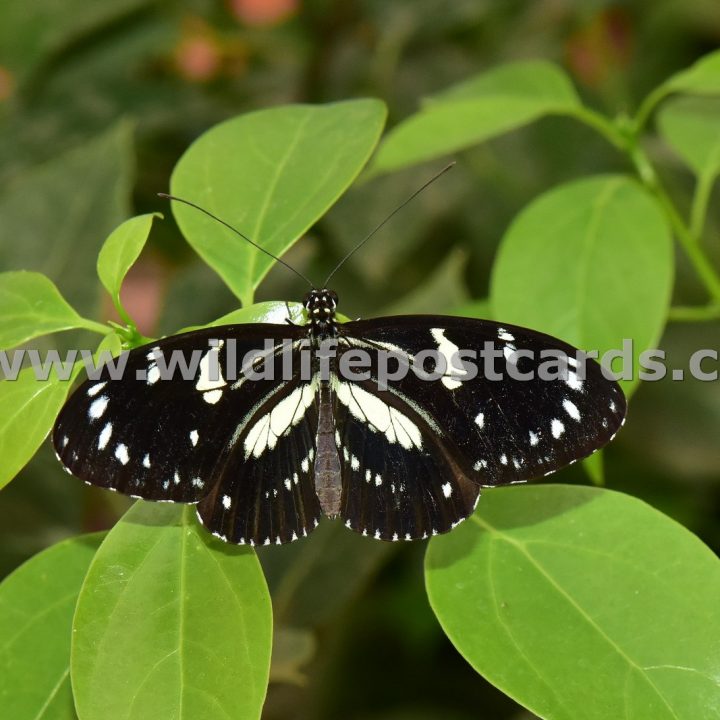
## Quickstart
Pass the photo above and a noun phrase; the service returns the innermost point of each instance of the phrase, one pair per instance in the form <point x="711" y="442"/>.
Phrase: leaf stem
<point x="603" y="125"/>
<point x="682" y="313"/>
<point x="647" y="107"/>
<point x="94" y="326"/>
<point x="624" y="135"/>
<point x="684" y="234"/>
<point x="700" y="202"/>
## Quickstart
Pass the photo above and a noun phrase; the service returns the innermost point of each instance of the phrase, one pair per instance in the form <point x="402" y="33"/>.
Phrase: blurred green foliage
<point x="99" y="100"/>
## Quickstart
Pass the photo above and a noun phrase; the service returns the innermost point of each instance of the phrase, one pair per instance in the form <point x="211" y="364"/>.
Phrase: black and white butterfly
<point x="264" y="459"/>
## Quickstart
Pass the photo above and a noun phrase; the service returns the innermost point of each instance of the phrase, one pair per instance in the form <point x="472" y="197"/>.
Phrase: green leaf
<point x="171" y="623"/>
<point x="121" y="249"/>
<point x="691" y="126"/>
<point x="55" y="215"/>
<point x="476" y="110"/>
<point x="293" y="163"/>
<point x="444" y="289"/>
<point x="475" y="309"/>
<point x="272" y="311"/>
<point x="701" y="78"/>
<point x="37" y="602"/>
<point x="30" y="407"/>
<point x="590" y="262"/>
<point x="582" y="603"/>
<point x="312" y="581"/>
<point x="292" y="650"/>
<point x="32" y="306"/>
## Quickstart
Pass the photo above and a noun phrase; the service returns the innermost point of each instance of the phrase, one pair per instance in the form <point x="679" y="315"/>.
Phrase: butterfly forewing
<point x="172" y="437"/>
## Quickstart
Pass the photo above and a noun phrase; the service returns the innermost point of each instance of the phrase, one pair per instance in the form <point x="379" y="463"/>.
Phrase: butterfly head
<point x="320" y="306"/>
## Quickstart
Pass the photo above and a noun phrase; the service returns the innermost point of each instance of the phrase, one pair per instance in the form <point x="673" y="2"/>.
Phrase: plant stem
<point x="691" y="245"/>
<point x="94" y="326"/>
<point x="685" y="236"/>
<point x="647" y="106"/>
<point x="701" y="199"/>
<point x="625" y="138"/>
<point x="603" y="125"/>
<point x="681" y="313"/>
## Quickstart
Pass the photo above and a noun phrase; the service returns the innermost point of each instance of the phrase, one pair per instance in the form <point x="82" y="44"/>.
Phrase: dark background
<point x="356" y="637"/>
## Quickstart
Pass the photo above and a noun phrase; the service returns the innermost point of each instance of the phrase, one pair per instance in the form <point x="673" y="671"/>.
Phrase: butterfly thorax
<point x="320" y="307"/>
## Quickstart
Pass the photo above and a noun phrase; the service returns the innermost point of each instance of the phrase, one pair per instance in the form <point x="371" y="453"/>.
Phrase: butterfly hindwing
<point x="399" y="483"/>
<point x="266" y="492"/>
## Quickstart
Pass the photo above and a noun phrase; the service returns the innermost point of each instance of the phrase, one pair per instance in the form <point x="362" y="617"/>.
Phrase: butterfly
<point x="265" y="451"/>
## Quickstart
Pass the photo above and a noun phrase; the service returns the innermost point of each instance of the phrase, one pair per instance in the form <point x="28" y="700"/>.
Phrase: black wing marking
<point x="165" y="439"/>
<point x="266" y="492"/>
<point x="452" y="433"/>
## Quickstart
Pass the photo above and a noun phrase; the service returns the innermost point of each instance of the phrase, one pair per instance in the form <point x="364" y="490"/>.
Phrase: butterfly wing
<point x="415" y="455"/>
<point x="266" y="493"/>
<point x="159" y="434"/>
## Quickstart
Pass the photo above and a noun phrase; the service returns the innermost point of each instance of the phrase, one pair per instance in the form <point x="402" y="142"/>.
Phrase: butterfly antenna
<point x="387" y="220"/>
<point x="237" y="232"/>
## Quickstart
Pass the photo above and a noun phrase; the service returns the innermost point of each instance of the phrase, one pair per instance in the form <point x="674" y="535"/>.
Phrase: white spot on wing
<point x="556" y="428"/>
<point x="227" y="502"/>
<point x="146" y="461"/>
<point x="194" y="437"/>
<point x="503" y="334"/>
<point x="380" y="416"/>
<point x="95" y="389"/>
<point x="571" y="409"/>
<point x="534" y="438"/>
<point x="288" y="412"/>
<point x="449" y="351"/>
<point x="153" y="375"/>
<point x="480" y="420"/>
<point x="104" y="438"/>
<point x="447" y="489"/>
<point x="210" y="373"/>
<point x="121" y="453"/>
<point x="573" y="381"/>
<point x="212" y="396"/>
<point x="98" y="407"/>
